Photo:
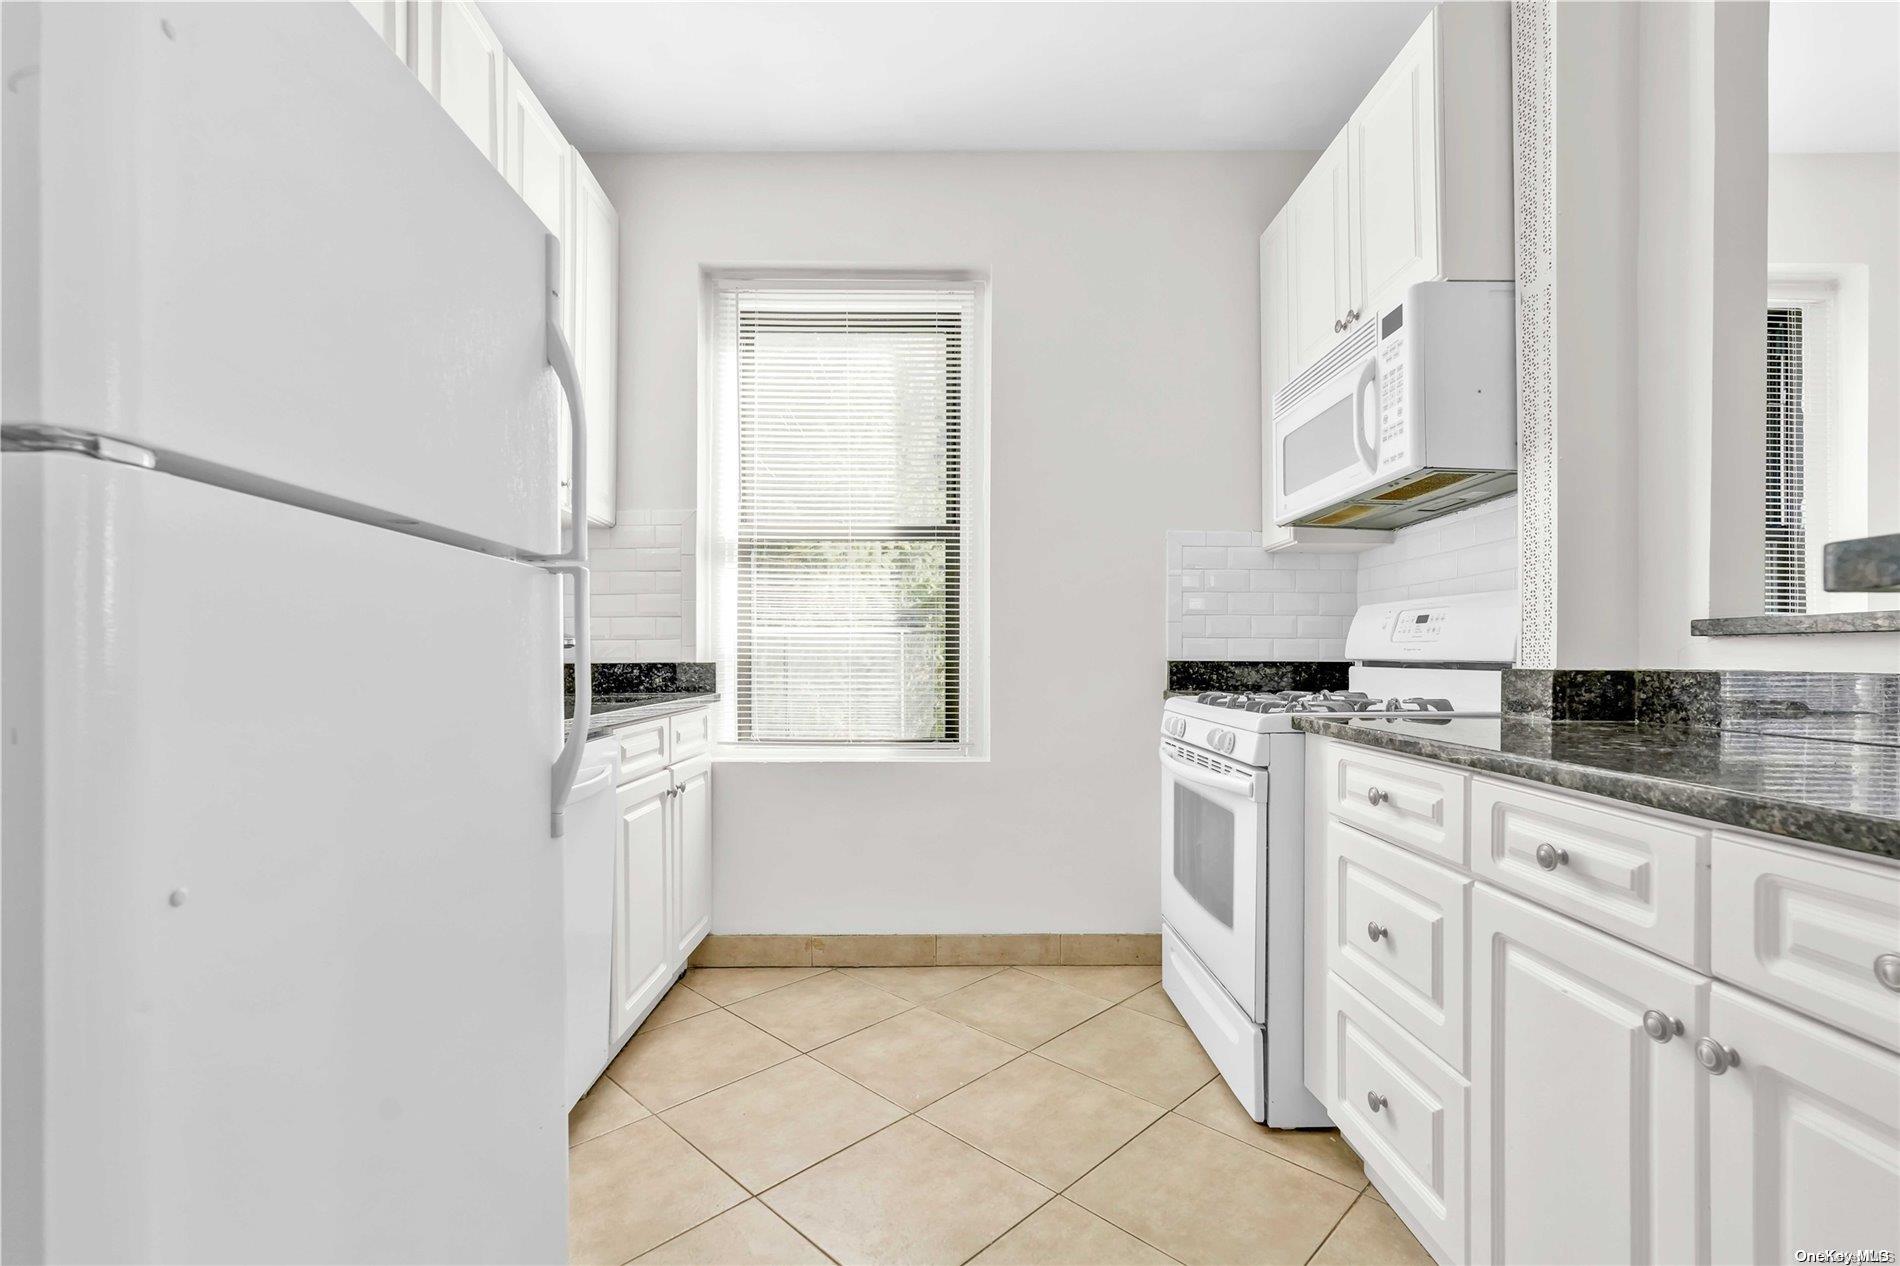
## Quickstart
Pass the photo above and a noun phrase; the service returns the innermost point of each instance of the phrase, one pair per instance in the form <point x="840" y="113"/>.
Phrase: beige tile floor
<point x="938" y="1115"/>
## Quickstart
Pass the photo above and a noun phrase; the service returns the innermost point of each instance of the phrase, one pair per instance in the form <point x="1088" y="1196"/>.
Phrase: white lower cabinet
<point x="1586" y="1139"/>
<point x="642" y="961"/>
<point x="1620" y="1106"/>
<point x="691" y="857"/>
<point x="662" y="875"/>
<point x="1804" y="1134"/>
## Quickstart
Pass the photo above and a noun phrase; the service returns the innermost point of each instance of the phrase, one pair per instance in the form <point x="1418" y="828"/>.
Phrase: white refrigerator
<point x="282" y="668"/>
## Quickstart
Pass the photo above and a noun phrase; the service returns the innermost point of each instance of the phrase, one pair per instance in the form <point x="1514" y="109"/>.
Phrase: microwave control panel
<point x="1392" y="387"/>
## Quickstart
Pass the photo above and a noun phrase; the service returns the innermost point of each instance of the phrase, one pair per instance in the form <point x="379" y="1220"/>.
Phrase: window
<point x="1785" y="549"/>
<point x="1815" y="471"/>
<point x="845" y="427"/>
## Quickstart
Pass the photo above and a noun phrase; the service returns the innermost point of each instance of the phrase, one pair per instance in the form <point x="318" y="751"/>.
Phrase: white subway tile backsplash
<point x="643" y="587"/>
<point x="1230" y="599"/>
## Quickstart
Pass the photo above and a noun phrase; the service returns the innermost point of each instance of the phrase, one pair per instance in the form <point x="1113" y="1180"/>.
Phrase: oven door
<point x="1213" y="867"/>
<point x="1326" y="445"/>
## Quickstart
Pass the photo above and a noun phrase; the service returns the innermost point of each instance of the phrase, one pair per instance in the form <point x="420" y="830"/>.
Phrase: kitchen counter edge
<point x="1817" y="826"/>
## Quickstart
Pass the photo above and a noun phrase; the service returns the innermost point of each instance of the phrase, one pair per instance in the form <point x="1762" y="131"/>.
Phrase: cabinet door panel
<point x="535" y="155"/>
<point x="642" y="965"/>
<point x="593" y="332"/>
<point x="1586" y="1139"/>
<point x="461" y="63"/>
<point x="1320" y="269"/>
<point x="1394" y="186"/>
<point x="1804" y="1136"/>
<point x="391" y="20"/>
<point x="692" y="858"/>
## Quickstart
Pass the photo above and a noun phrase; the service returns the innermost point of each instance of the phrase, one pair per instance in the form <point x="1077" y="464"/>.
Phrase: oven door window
<point x="1204" y="852"/>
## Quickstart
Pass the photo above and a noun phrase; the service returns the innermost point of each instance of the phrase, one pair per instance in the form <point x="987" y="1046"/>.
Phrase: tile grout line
<point x="1334" y="1228"/>
<point x="909" y="1113"/>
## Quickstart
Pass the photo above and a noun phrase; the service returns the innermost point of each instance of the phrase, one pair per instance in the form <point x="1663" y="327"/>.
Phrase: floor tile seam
<point x="1176" y="1111"/>
<point x="1103" y="1216"/>
<point x="1334" y="1228"/>
<point x="710" y="1161"/>
<point x="992" y="971"/>
<point x="1165" y="1108"/>
<point x="795" y="1053"/>
<point x="1355" y="1192"/>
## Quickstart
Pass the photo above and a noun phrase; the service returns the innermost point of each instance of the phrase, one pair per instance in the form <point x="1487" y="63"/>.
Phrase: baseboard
<point x="1092" y="949"/>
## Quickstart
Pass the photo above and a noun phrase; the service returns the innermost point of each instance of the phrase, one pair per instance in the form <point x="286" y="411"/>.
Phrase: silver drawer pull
<point x="1375" y="1100"/>
<point x="1661" y="1027"/>
<point x="1550" y="857"/>
<point x="1375" y="796"/>
<point x="1887" y="971"/>
<point x="1714" y="1056"/>
<point x="1376" y="931"/>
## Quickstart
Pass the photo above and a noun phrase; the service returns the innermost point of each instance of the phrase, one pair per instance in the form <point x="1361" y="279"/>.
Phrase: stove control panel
<point x="1474" y="628"/>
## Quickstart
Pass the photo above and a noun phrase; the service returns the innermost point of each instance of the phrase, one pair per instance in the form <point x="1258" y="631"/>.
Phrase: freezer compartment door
<point x="260" y="243"/>
<point x="284" y="918"/>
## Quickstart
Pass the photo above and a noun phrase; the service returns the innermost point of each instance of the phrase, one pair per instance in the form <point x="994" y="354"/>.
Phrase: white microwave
<point x="1412" y="417"/>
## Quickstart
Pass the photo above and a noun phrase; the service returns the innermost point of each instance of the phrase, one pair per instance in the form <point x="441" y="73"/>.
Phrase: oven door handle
<point x="1237" y="784"/>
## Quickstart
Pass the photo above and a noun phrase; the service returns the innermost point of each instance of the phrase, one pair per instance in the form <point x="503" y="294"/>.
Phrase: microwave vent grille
<point x="1424" y="485"/>
<point x="1341" y="515"/>
<point x="1327" y="368"/>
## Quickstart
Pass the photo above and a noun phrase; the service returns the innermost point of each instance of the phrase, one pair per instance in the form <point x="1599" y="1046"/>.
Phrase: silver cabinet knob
<point x="1352" y="316"/>
<point x="1338" y="326"/>
<point x="1661" y="1027"/>
<point x="1376" y="932"/>
<point x="1714" y="1056"/>
<point x="1375" y="796"/>
<point x="1550" y="857"/>
<point x="1375" y="1100"/>
<point x="1887" y="971"/>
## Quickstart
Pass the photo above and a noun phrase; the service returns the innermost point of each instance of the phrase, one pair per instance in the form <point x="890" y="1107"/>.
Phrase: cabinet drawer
<point x="643" y="749"/>
<point x="1637" y="877"/>
<point x="1396" y="928"/>
<point x="690" y="733"/>
<point x="1809" y="932"/>
<point x="1413" y="1140"/>
<point x="1409" y="802"/>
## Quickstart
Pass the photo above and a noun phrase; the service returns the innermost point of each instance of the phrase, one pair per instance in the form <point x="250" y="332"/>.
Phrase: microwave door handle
<point x="1368" y="377"/>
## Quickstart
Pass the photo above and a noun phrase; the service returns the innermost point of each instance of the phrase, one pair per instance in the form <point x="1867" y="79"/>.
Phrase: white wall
<point x="1124" y="399"/>
<point x="1832" y="209"/>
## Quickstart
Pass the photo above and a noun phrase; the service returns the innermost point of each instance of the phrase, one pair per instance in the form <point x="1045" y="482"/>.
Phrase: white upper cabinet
<point x="1416" y="187"/>
<point x="458" y="59"/>
<point x="593" y="330"/>
<point x="1394" y="182"/>
<point x="1319" y="254"/>
<point x="391" y="20"/>
<point x="460" y="62"/>
<point x="534" y="155"/>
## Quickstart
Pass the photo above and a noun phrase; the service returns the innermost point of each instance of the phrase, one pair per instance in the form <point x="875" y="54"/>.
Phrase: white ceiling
<point x="1833" y="77"/>
<point x="951" y="76"/>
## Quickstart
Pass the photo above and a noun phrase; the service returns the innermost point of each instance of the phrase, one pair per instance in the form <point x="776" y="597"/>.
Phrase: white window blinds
<point x="843" y="513"/>
<point x="1785" y="551"/>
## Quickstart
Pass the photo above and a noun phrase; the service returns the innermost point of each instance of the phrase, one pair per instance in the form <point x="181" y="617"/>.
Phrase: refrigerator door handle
<point x="572" y="561"/>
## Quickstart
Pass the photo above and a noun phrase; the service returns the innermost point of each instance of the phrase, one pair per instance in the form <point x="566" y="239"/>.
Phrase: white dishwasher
<point x="588" y="912"/>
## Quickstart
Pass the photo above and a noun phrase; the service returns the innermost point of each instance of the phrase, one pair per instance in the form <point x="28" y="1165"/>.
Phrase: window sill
<point x="750" y="754"/>
<point x="1787" y="625"/>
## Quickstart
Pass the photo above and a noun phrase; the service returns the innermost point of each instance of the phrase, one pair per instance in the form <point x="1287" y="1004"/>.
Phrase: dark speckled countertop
<point x="610" y="712"/>
<point x="1841" y="794"/>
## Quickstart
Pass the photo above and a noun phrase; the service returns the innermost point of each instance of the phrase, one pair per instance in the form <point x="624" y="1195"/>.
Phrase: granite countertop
<point x="611" y="711"/>
<point x="1841" y="794"/>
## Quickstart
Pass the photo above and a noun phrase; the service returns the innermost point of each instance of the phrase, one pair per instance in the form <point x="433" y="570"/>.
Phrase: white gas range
<point x="1233" y="872"/>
